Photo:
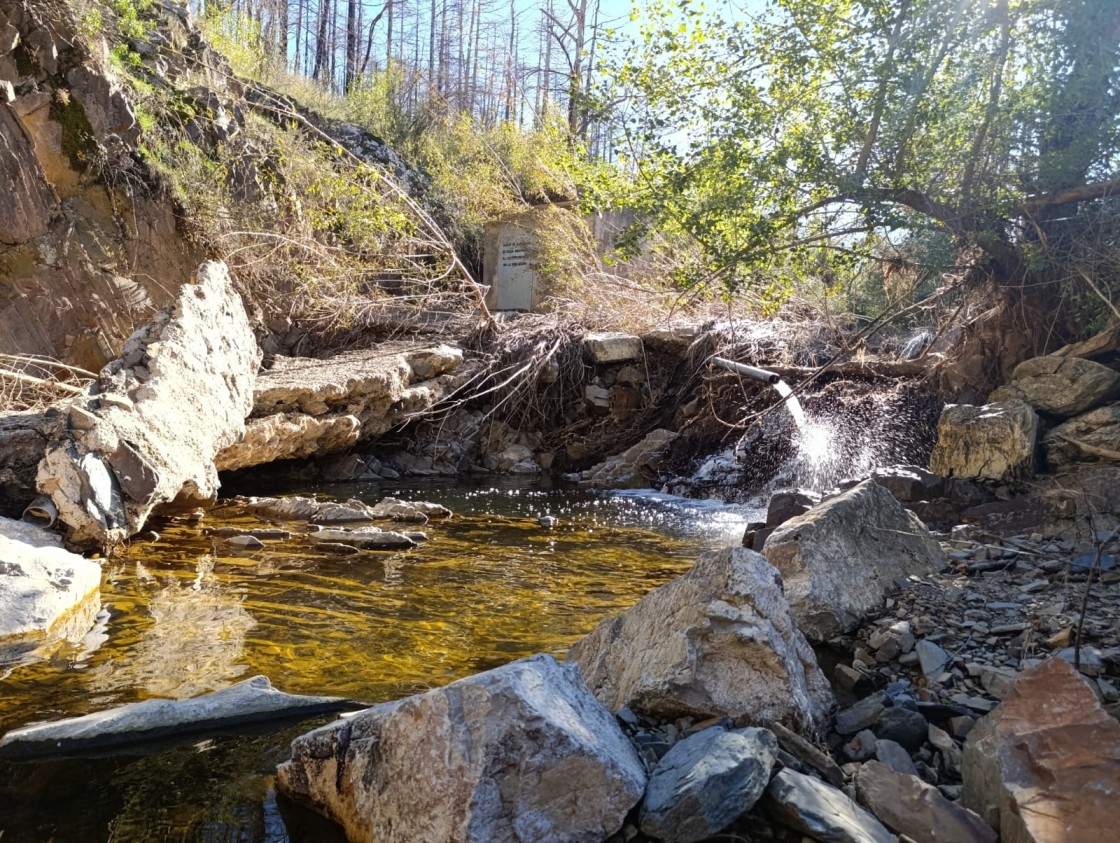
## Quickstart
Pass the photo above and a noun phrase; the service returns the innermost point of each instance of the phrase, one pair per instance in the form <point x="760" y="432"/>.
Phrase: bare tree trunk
<point x="322" y="58"/>
<point x="545" y="76"/>
<point x="389" y="7"/>
<point x="297" y="66"/>
<point x="353" y="37"/>
<point x="575" y="74"/>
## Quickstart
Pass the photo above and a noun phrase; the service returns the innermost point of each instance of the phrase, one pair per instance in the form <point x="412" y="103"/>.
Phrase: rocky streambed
<point x="918" y="654"/>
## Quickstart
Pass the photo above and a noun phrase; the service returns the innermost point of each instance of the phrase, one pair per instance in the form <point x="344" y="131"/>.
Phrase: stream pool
<point x="186" y="615"/>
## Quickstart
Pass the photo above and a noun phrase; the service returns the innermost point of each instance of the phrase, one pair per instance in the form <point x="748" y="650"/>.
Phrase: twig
<point x="1093" y="569"/>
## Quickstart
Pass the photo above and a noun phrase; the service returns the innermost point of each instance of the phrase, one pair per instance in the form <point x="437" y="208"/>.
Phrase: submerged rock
<point x="1045" y="764"/>
<point x="840" y="559"/>
<point x="246" y="702"/>
<point x="719" y="640"/>
<point x="417" y="512"/>
<point x="705" y="781"/>
<point x="521" y="752"/>
<point x="367" y="538"/>
<point x="47" y="594"/>
<point x="177" y="396"/>
<point x="993" y="442"/>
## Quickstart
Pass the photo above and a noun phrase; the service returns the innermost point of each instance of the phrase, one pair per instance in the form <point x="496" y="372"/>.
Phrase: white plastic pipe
<point x="749" y="371"/>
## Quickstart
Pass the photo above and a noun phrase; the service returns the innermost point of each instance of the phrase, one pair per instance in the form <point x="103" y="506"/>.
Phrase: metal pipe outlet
<point x="749" y="371"/>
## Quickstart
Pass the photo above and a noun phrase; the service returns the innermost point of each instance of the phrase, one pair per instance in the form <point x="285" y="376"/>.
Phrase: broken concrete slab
<point x="152" y="425"/>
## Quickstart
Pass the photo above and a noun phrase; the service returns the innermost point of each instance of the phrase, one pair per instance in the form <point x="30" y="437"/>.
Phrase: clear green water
<point x="187" y="614"/>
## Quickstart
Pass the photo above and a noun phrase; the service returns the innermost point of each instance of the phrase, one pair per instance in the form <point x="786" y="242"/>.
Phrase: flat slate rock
<point x="246" y="702"/>
<point x="822" y="811"/>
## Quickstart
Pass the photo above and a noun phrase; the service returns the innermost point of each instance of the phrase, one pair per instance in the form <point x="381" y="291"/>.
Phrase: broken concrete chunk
<point x="613" y="347"/>
<point x="152" y="440"/>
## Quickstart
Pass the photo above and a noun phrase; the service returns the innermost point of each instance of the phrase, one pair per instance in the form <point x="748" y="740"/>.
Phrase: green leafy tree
<point x="813" y="133"/>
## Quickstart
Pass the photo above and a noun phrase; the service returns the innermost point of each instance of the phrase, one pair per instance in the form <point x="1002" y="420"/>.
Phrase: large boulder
<point x="841" y="558"/>
<point x="991" y="442"/>
<point x="1062" y="386"/>
<point x="719" y="640"/>
<point x="1095" y="435"/>
<point x="47" y="594"/>
<point x="148" y="433"/>
<point x="521" y="752"/>
<point x="1045" y="764"/>
<point x="706" y="781"/>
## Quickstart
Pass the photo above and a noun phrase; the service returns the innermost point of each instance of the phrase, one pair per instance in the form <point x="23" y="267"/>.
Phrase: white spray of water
<point x="815" y="437"/>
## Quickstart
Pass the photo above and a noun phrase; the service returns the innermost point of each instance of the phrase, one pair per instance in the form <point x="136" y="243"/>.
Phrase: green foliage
<point x="478" y="171"/>
<point x="805" y="141"/>
<point x="78" y="142"/>
<point x="237" y="36"/>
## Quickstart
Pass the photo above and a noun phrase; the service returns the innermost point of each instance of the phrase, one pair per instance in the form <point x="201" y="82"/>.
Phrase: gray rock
<point x="1061" y="386"/>
<point x="910" y="806"/>
<point x="635" y="467"/>
<point x="895" y="756"/>
<point x="910" y="483"/>
<point x="839" y="560"/>
<point x="705" y="781"/>
<point x="1095" y="435"/>
<point x="201" y="362"/>
<point x="933" y="659"/>
<point x="417" y="512"/>
<point x="366" y="538"/>
<point x="863" y="715"/>
<point x="951" y="754"/>
<point x="245" y="541"/>
<point x="292" y="508"/>
<point x="305" y="407"/>
<point x="902" y="726"/>
<point x="993" y="442"/>
<point x="47" y="594"/>
<point x="821" y="811"/>
<point x="521" y="752"/>
<point x="345" y="512"/>
<point x="862" y="746"/>
<point x="246" y="702"/>
<point x="786" y="505"/>
<point x="717" y="641"/>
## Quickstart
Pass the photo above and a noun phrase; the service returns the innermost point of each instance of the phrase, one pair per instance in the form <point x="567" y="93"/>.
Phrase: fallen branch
<point x="42" y="383"/>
